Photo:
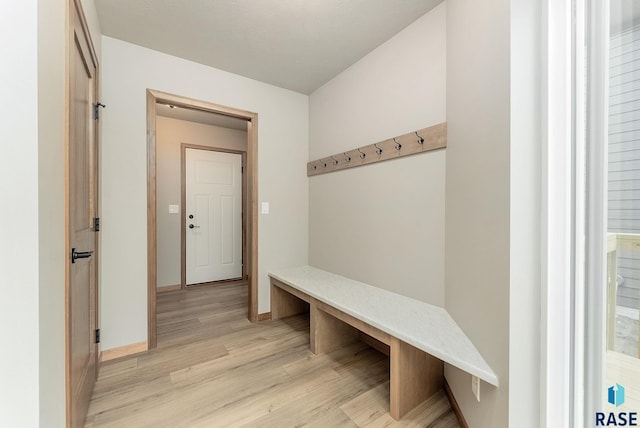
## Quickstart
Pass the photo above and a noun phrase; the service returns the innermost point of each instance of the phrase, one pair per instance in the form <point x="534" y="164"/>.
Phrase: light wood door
<point x="213" y="200"/>
<point x="81" y="311"/>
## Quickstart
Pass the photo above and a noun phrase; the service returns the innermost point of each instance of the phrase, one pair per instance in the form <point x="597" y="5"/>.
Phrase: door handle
<point x="79" y="255"/>
<point x="191" y="226"/>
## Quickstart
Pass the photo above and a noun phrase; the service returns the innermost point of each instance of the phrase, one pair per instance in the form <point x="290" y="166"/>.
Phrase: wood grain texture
<point x="455" y="406"/>
<point x="371" y="409"/>
<point x="252" y="210"/>
<point x="183" y="217"/>
<point x="81" y="182"/>
<point x="169" y="288"/>
<point x="290" y="290"/>
<point x="375" y="343"/>
<point x="624" y="369"/>
<point x="77" y="5"/>
<point x="433" y="138"/>
<point x="328" y="333"/>
<point x="264" y="316"/>
<point x="377" y="334"/>
<point x="123" y="351"/>
<point x="212" y="367"/>
<point x="285" y="304"/>
<point x="152" y="238"/>
<point x="415" y="376"/>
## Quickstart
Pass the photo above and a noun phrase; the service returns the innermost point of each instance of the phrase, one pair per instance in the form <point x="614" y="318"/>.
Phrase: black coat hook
<point x="398" y="145"/>
<point x="420" y="139"/>
<point x="362" y="155"/>
<point x="378" y="149"/>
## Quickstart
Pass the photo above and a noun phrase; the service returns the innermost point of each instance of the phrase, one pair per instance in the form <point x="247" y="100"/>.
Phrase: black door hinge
<point x="96" y="224"/>
<point x="242" y="170"/>
<point x="97" y="335"/>
<point x="96" y="110"/>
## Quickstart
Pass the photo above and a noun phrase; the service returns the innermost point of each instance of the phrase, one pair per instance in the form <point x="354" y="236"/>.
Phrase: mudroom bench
<point x="418" y="337"/>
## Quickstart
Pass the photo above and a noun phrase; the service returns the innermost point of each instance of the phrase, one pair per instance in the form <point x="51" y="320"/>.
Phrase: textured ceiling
<point x="294" y="44"/>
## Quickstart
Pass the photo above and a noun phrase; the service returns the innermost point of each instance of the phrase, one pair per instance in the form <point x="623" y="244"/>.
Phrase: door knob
<point x="79" y="255"/>
<point x="191" y="226"/>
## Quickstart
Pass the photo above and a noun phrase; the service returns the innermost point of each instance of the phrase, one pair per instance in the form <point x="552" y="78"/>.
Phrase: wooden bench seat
<point x="420" y="336"/>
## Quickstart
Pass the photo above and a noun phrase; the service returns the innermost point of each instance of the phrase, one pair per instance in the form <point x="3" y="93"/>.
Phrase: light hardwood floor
<point x="625" y="370"/>
<point x="213" y="368"/>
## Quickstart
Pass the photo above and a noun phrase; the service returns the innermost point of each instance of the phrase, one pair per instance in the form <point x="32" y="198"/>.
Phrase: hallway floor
<point x="213" y="368"/>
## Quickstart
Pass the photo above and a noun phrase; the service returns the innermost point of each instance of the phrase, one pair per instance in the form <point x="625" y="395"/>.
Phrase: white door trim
<point x="595" y="179"/>
<point x="557" y="196"/>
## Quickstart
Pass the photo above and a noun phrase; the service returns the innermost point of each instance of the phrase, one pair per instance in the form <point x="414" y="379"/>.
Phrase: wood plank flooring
<point x="213" y="368"/>
<point x="625" y="370"/>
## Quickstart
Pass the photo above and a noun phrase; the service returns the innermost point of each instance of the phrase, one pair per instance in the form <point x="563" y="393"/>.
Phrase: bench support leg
<point x="329" y="333"/>
<point x="415" y="376"/>
<point x="284" y="304"/>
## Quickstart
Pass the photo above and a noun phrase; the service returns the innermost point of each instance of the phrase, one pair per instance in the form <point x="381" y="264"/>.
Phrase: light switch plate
<point x="174" y="209"/>
<point x="265" y="208"/>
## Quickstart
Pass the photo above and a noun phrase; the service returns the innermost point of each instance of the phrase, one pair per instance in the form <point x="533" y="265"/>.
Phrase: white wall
<point x="525" y="208"/>
<point x="492" y="274"/>
<point x="127" y="72"/>
<point x="383" y="223"/>
<point x="170" y="134"/>
<point x="477" y="196"/>
<point x="32" y="252"/>
<point x="51" y="208"/>
<point x="19" y="229"/>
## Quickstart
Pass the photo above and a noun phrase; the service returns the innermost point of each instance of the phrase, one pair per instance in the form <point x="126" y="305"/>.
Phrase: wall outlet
<point x="475" y="387"/>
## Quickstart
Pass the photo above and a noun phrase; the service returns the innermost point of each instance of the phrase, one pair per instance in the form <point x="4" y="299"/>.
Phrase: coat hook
<point x="324" y="164"/>
<point x="378" y="149"/>
<point x="335" y="161"/>
<point x="362" y="155"/>
<point x="398" y="145"/>
<point x="347" y="158"/>
<point x="313" y="166"/>
<point x="420" y="139"/>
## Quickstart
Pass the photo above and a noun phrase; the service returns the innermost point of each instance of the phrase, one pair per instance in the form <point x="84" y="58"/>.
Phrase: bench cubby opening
<point x="414" y="374"/>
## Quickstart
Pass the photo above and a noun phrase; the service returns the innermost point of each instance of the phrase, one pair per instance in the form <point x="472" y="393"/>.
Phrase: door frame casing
<point x="183" y="213"/>
<point x="154" y="97"/>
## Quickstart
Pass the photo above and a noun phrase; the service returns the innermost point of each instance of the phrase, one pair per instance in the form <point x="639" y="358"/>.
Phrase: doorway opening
<point x="249" y="242"/>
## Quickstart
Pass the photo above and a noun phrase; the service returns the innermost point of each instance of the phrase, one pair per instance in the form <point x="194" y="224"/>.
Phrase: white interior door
<point x="213" y="216"/>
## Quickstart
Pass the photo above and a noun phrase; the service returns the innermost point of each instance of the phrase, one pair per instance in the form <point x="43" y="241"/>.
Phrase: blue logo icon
<point x="616" y="395"/>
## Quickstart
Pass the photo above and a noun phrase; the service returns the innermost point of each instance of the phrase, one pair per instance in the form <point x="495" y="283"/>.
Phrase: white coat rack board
<point x="422" y="140"/>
